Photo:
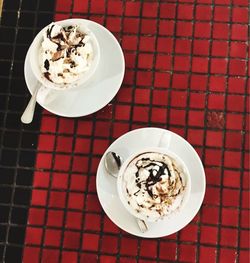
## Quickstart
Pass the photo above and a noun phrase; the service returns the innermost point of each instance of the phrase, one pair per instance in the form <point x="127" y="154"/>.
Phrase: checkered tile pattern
<point x="187" y="69"/>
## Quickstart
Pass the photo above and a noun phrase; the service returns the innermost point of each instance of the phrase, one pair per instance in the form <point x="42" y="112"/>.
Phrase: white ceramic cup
<point x="35" y="51"/>
<point x="121" y="188"/>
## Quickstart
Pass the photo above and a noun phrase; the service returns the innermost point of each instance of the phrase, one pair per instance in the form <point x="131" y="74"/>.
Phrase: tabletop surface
<point x="187" y="68"/>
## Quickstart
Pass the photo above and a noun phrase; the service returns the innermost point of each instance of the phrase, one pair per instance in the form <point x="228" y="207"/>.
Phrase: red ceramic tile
<point x="130" y="25"/>
<point x="198" y="82"/>
<point x="204" y="1"/>
<point x="84" y="127"/>
<point x="215" y="119"/>
<point x="183" y="46"/>
<point x="195" y="136"/>
<point x="244" y="218"/>
<point x="202" y="29"/>
<point x="246" y="184"/>
<point x="159" y="115"/>
<point x="214" y="138"/>
<point x="196" y="118"/>
<point x="82" y="145"/>
<point x="43" y="160"/>
<point x="88" y="257"/>
<point x="245" y="199"/>
<point x="184" y="29"/>
<point x="162" y="79"/>
<point x="241" y="2"/>
<point x="113" y="24"/>
<point x="150" y="9"/>
<point x="223" y="2"/>
<point x="199" y="65"/>
<point x="80" y="7"/>
<point x="239" y="32"/>
<point x="234" y="121"/>
<point x="212" y="196"/>
<point x="213" y="175"/>
<point x="187" y="253"/>
<point x="182" y="63"/>
<point x="207" y="254"/>
<point x="189" y="233"/>
<point x="203" y="12"/>
<point x="238" y="49"/>
<point x="97" y="6"/>
<point x="57" y="199"/>
<point x="144" y="78"/>
<point x="124" y="95"/>
<point x="219" y="65"/>
<point x="59" y="181"/>
<point x="177" y="117"/>
<point x="164" y="44"/>
<point x="185" y="12"/>
<point x="62" y="162"/>
<point x="132" y="260"/>
<point x="227" y="255"/>
<point x="99" y="147"/>
<point x="90" y="242"/>
<point x="80" y="164"/>
<point x="231" y="178"/>
<point x="166" y="28"/>
<point x="114" y="7"/>
<point x="132" y="8"/>
<point x="140" y="113"/>
<point x="33" y="235"/>
<point x="221" y="13"/>
<point x="246" y="161"/>
<point x="64" y="144"/>
<point x="71" y="240"/>
<point x="219" y="48"/>
<point x="178" y="98"/>
<point x="107" y="259"/>
<point x="210" y="215"/>
<point x="230" y="197"/>
<point x="55" y="218"/>
<point x="76" y="200"/>
<point x="129" y="42"/>
<point x="41" y="179"/>
<point x="240" y="15"/>
<point x="129" y="246"/>
<point x="235" y="103"/>
<point x="148" y="26"/>
<point x="39" y="197"/>
<point x="74" y="220"/>
<point x="46" y="142"/>
<point x="50" y="255"/>
<point x="145" y="60"/>
<point x="66" y="126"/>
<point x="58" y="17"/>
<point x="63" y="5"/>
<point x="237" y="67"/>
<point x="233" y="140"/>
<point x="68" y="256"/>
<point x="228" y="236"/>
<point x="167" y="251"/>
<point x="31" y="254"/>
<point x="209" y="235"/>
<point x="130" y="59"/>
<point x="220" y="31"/>
<point x="229" y="217"/>
<point x="109" y="244"/>
<point x="148" y="248"/>
<point x="52" y="237"/>
<point x="36" y="216"/>
<point x="92" y="222"/>
<point x="163" y="62"/>
<point x="232" y="159"/>
<point x="92" y="203"/>
<point x="78" y="182"/>
<point x="197" y="100"/>
<point x="167" y="10"/>
<point x="200" y="47"/>
<point x="109" y="226"/>
<point x="217" y="83"/>
<point x="216" y="101"/>
<point x="180" y="81"/>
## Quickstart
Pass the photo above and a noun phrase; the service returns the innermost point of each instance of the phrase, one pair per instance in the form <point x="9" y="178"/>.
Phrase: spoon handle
<point x="142" y="225"/>
<point x="28" y="113"/>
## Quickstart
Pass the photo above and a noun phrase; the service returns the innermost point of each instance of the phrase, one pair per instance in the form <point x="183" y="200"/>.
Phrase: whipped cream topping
<point x="66" y="53"/>
<point x="154" y="184"/>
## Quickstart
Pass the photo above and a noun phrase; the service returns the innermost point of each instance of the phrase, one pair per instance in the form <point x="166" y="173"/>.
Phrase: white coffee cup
<point x="35" y="51"/>
<point x="151" y="217"/>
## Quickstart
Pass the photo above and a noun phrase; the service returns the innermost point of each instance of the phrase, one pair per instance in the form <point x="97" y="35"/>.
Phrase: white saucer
<point x="95" y="94"/>
<point x="134" y="141"/>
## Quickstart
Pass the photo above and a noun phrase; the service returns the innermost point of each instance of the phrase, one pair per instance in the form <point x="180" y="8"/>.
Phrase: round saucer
<point x="97" y="92"/>
<point x="137" y="140"/>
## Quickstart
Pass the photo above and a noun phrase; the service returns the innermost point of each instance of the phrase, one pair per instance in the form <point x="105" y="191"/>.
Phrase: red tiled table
<point x="187" y="69"/>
